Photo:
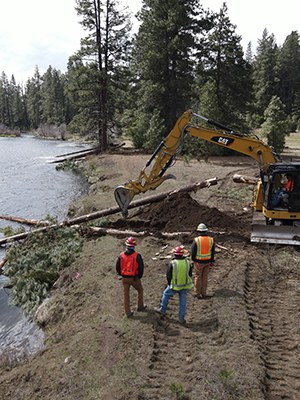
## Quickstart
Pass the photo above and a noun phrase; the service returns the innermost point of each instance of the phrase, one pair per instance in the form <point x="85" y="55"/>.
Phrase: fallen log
<point x="25" y="221"/>
<point x="113" y="210"/>
<point x="74" y="156"/>
<point x="76" y="152"/>
<point x="244" y="179"/>
<point x="118" y="232"/>
<point x="2" y="262"/>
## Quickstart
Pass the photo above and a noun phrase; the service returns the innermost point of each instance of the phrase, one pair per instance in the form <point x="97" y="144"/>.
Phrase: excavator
<point x="276" y="209"/>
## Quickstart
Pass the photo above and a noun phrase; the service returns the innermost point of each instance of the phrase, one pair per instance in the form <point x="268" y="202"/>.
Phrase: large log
<point x="113" y="210"/>
<point x="25" y="221"/>
<point x="244" y="179"/>
<point x="74" y="156"/>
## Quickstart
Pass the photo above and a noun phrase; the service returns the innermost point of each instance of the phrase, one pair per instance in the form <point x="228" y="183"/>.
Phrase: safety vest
<point x="129" y="264"/>
<point x="180" y="276"/>
<point x="204" y="248"/>
<point x="289" y="186"/>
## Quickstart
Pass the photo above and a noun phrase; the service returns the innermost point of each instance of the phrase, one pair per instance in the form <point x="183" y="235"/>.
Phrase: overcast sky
<point x="47" y="32"/>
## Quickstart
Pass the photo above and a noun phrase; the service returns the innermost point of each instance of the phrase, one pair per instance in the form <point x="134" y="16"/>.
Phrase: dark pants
<point x="137" y="284"/>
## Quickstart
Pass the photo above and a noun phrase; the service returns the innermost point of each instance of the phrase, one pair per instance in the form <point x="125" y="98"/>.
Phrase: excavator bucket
<point x="123" y="197"/>
<point x="276" y="234"/>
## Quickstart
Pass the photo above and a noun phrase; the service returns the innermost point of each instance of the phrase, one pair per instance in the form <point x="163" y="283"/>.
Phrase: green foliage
<point x="9" y="231"/>
<point x="178" y="390"/>
<point x="265" y="73"/>
<point x="35" y="265"/>
<point x="68" y="165"/>
<point x="275" y="126"/>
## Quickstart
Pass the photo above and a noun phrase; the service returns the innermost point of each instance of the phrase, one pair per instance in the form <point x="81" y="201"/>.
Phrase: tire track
<point x="272" y="298"/>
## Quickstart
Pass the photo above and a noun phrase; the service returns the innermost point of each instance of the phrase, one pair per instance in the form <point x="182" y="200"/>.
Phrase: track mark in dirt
<point x="178" y="347"/>
<point x="272" y="301"/>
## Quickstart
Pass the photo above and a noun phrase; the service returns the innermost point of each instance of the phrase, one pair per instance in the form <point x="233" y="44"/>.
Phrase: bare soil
<point x="241" y="343"/>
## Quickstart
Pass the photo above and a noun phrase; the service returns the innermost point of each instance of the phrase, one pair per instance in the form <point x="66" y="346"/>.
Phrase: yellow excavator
<point x="276" y="209"/>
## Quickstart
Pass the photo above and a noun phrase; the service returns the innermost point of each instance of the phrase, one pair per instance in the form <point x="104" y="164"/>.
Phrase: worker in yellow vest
<point x="203" y="256"/>
<point x="179" y="277"/>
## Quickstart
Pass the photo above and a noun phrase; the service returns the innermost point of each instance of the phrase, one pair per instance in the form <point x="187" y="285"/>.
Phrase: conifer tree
<point x="33" y="99"/>
<point x="265" y="82"/>
<point x="165" y="47"/>
<point x="275" y="126"/>
<point x="227" y="72"/>
<point x="103" y="51"/>
<point x="289" y="75"/>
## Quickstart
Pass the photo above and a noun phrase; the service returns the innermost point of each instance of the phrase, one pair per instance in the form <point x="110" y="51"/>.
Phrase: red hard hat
<point x="178" y="251"/>
<point x="131" y="242"/>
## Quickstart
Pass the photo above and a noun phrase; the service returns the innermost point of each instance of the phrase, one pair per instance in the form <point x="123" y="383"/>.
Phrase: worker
<point x="130" y="266"/>
<point x="179" y="277"/>
<point x="288" y="183"/>
<point x="280" y="196"/>
<point x="202" y="254"/>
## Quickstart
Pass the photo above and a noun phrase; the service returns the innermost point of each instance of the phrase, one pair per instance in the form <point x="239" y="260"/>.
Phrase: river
<point x="31" y="187"/>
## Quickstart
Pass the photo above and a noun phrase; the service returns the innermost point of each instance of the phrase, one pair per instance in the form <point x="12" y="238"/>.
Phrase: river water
<point x="31" y="188"/>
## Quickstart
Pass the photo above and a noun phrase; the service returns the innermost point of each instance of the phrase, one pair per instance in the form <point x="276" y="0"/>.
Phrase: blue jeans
<point x="168" y="293"/>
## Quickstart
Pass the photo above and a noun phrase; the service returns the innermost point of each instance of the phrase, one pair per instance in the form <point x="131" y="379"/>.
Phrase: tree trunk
<point x="113" y="210"/>
<point x="24" y="220"/>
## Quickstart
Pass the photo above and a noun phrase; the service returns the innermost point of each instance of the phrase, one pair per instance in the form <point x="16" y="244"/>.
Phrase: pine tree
<point x="289" y="75"/>
<point x="265" y="82"/>
<point x="275" y="126"/>
<point x="227" y="73"/>
<point x="103" y="51"/>
<point x="33" y="99"/>
<point x="163" y="56"/>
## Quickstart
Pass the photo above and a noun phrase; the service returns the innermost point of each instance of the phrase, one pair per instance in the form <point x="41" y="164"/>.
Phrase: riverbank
<point x="235" y="344"/>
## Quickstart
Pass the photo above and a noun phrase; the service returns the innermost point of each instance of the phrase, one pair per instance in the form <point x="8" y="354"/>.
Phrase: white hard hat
<point x="202" y="228"/>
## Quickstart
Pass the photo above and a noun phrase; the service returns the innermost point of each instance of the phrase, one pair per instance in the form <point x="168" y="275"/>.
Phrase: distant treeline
<point x="183" y="57"/>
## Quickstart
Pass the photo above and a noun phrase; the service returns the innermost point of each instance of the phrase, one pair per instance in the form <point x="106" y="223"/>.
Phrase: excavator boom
<point x="165" y="155"/>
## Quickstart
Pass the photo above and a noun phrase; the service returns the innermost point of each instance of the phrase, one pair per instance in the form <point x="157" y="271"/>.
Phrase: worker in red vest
<point x="130" y="266"/>
<point x="202" y="254"/>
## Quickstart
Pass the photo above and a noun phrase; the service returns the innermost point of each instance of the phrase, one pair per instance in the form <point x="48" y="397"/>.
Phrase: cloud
<point x="37" y="32"/>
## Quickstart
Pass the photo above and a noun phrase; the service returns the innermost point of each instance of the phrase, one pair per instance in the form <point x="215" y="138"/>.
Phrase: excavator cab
<point x="279" y="221"/>
<point x="282" y="190"/>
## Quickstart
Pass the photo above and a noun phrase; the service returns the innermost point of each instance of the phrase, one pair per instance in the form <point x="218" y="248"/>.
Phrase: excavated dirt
<point x="241" y="343"/>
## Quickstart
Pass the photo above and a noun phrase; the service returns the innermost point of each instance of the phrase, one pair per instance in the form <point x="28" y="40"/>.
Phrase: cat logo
<point x="224" y="141"/>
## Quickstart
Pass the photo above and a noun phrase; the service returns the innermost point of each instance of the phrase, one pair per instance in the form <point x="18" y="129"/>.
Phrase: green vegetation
<point x="178" y="390"/>
<point x="182" y="57"/>
<point x="35" y="265"/>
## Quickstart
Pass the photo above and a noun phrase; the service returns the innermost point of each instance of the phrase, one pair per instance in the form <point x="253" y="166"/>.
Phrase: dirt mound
<point x="182" y="212"/>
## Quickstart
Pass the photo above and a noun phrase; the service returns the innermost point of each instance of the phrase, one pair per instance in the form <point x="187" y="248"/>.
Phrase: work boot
<point x="142" y="308"/>
<point x="130" y="314"/>
<point x="159" y="311"/>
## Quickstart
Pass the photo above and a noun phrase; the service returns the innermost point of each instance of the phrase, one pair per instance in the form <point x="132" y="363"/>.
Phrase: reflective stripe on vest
<point x="204" y="248"/>
<point x="180" y="276"/>
<point x="129" y="264"/>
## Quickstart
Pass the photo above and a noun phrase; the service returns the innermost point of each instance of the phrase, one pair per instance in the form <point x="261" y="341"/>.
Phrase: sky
<point x="47" y="32"/>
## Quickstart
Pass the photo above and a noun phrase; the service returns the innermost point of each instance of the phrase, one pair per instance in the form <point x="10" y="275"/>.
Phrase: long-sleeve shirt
<point x="139" y="260"/>
<point x="170" y="270"/>
<point x="194" y="252"/>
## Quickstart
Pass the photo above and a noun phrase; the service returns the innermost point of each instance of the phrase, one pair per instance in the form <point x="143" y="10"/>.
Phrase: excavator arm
<point x="164" y="156"/>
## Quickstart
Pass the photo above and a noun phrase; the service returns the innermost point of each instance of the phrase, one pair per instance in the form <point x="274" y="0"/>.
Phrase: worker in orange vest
<point x="202" y="254"/>
<point x="130" y="266"/>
